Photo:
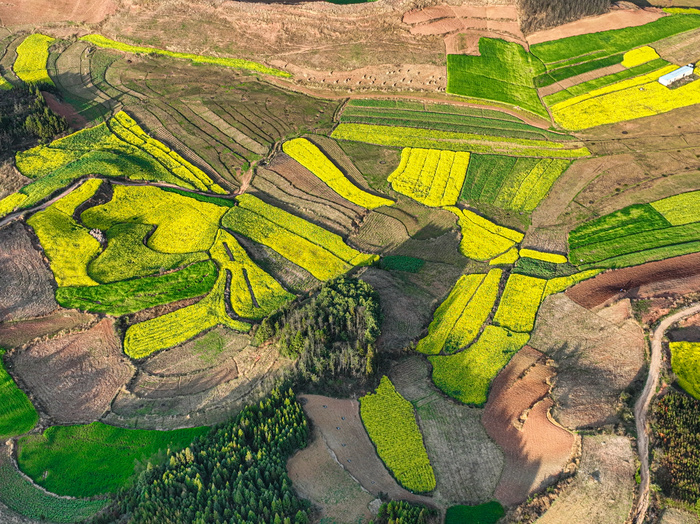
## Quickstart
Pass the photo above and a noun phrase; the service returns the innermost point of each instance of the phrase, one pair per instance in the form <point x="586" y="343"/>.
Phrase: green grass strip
<point x="557" y="75"/>
<point x="17" y="414"/>
<point x="129" y="296"/>
<point x="84" y="461"/>
<point x="488" y="513"/>
<point x="237" y="63"/>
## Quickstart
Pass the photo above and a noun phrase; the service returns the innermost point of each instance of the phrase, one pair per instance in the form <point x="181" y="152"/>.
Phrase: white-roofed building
<point x="674" y="76"/>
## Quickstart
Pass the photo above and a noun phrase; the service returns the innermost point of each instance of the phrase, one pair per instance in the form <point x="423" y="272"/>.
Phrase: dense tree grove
<point x="25" y="118"/>
<point x="402" y="512"/>
<point x="677" y="425"/>
<point x="541" y="14"/>
<point x="235" y="474"/>
<point x="333" y="333"/>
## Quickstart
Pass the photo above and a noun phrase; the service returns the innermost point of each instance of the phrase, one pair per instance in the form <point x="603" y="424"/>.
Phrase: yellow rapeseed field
<point x="520" y="302"/>
<point x="32" y="55"/>
<point x="639" y="56"/>
<point x="541" y="255"/>
<point x="680" y="209"/>
<point x="481" y="238"/>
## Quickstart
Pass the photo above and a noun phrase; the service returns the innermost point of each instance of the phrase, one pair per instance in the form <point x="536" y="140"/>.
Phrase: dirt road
<point x="641" y="408"/>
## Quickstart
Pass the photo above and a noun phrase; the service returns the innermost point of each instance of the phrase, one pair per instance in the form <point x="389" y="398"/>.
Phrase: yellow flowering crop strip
<point x="519" y="304"/>
<point x="447" y="140"/>
<point x="432" y="177"/>
<point x="10" y="203"/>
<point x="680" y="209"/>
<point x="509" y="257"/>
<point x="559" y="284"/>
<point x="68" y="245"/>
<point x="4" y="84"/>
<point x="639" y="56"/>
<point x="448" y="313"/>
<point x="184" y="225"/>
<point x="322" y="253"/>
<point x="634" y="98"/>
<point x="685" y="362"/>
<point x="32" y="56"/>
<point x="467" y="375"/>
<point x="129" y="131"/>
<point x="101" y="41"/>
<point x="269" y="294"/>
<point x="481" y="238"/>
<point x="541" y="255"/>
<point x="145" y="338"/>
<point x="391" y="425"/>
<point x="313" y="159"/>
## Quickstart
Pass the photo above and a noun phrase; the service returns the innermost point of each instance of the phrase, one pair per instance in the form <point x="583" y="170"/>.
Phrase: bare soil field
<point x="26" y="284"/>
<point x="597" y="356"/>
<point x="338" y="421"/>
<point x="617" y="18"/>
<point x="677" y="516"/>
<point x="680" y="49"/>
<point x="75" y="377"/>
<point x="22" y="12"/>
<point x="516" y="416"/>
<point x="11" y="180"/>
<point x="579" y="79"/>
<point x="670" y="276"/>
<point x="201" y="382"/>
<point x="603" y="489"/>
<point x="318" y="476"/>
<point x="467" y="463"/>
<point x="463" y="25"/>
<point x="75" y="120"/>
<point x="19" y="332"/>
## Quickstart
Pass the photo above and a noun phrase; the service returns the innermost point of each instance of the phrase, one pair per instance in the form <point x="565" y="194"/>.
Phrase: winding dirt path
<point x="641" y="408"/>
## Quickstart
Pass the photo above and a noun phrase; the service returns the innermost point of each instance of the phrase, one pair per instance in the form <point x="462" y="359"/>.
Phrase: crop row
<point x="313" y="159"/>
<point x="511" y="183"/>
<point x="449" y="122"/>
<point x="322" y="253"/>
<point x="569" y="71"/>
<point x="32" y="57"/>
<point x="432" y="177"/>
<point x="433" y="108"/>
<point x="458" y="320"/>
<point x="626" y="100"/>
<point x="254" y="294"/>
<point x="391" y="424"/>
<point x="432" y="139"/>
<point x="481" y="238"/>
<point x="17" y="414"/>
<point x="89" y="460"/>
<point x="542" y="255"/>
<point x="101" y="41"/>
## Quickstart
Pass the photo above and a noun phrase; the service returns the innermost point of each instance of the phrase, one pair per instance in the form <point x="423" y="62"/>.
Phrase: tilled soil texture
<point x="673" y="276"/>
<point x="467" y="463"/>
<point x="341" y="428"/>
<point x="598" y="355"/>
<point x="20" y="12"/>
<point x="17" y="333"/>
<point x="617" y="18"/>
<point x="603" y="489"/>
<point x="352" y="38"/>
<point x="516" y="417"/>
<point x="201" y="382"/>
<point x="75" y="377"/>
<point x="318" y="477"/>
<point x="26" y="288"/>
<point x="462" y="26"/>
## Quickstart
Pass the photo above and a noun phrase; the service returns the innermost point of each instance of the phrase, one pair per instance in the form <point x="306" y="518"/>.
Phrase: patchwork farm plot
<point x="159" y="260"/>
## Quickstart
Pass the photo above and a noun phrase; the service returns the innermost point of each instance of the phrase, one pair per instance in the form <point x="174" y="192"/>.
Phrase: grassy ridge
<point x="83" y="461"/>
<point x="391" y="424"/>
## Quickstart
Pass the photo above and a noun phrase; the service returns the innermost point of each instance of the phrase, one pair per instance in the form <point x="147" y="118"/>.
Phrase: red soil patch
<point x="75" y="377"/>
<point x="341" y="428"/>
<point x="26" y="284"/>
<point x="17" y="12"/>
<point x="678" y="275"/>
<point x="617" y="18"/>
<point x="516" y="418"/>
<point x="67" y="111"/>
